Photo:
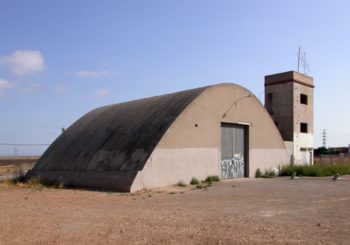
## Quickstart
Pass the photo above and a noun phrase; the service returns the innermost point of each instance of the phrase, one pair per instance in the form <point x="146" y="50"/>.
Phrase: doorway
<point x="234" y="151"/>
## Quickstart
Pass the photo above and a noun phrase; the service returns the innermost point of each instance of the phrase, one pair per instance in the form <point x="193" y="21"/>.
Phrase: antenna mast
<point x="299" y="51"/>
<point x="302" y="61"/>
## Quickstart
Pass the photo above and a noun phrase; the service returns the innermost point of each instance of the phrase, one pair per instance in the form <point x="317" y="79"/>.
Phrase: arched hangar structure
<point x="217" y="130"/>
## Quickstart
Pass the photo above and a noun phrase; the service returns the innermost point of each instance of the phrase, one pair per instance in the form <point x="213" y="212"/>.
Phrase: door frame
<point x="246" y="144"/>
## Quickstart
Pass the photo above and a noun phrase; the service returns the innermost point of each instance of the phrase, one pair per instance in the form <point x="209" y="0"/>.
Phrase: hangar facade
<point x="219" y="130"/>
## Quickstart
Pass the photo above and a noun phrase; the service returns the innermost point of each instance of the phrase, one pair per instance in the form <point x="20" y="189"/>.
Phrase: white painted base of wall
<point x="265" y="159"/>
<point x="305" y="142"/>
<point x="167" y="167"/>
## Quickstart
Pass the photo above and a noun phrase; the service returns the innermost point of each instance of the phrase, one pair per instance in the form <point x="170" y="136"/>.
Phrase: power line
<point x="15" y="144"/>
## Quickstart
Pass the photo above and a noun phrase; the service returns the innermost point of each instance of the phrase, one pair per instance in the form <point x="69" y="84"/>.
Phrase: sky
<point x="61" y="59"/>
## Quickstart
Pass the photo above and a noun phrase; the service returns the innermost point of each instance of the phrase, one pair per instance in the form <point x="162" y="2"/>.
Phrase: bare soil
<point x="13" y="170"/>
<point x="278" y="210"/>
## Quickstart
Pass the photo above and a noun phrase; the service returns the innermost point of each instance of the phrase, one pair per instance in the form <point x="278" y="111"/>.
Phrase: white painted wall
<point x="265" y="159"/>
<point x="169" y="166"/>
<point x="303" y="148"/>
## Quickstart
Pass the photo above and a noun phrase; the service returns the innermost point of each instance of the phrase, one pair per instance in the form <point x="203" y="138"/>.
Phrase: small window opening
<point x="269" y="101"/>
<point x="269" y="98"/>
<point x="276" y="123"/>
<point x="303" y="99"/>
<point x="303" y="127"/>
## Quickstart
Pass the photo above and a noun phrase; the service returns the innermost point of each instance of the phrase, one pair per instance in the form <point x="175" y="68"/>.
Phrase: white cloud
<point x="5" y="85"/>
<point x="23" y="62"/>
<point x="103" y="93"/>
<point x="60" y="89"/>
<point x="29" y="90"/>
<point x="91" y="74"/>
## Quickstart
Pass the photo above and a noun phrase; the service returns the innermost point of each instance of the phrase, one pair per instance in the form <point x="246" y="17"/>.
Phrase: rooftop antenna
<point x="302" y="61"/>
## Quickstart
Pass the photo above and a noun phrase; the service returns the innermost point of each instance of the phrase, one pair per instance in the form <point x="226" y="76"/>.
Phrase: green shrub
<point x="258" y="173"/>
<point x="269" y="173"/>
<point x="212" y="178"/>
<point x="207" y="181"/>
<point x="181" y="183"/>
<point x="194" y="181"/>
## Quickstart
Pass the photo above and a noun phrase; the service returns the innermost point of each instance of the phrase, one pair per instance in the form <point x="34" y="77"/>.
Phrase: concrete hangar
<point x="219" y="130"/>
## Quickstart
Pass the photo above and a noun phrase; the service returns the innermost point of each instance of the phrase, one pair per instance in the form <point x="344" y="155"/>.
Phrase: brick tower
<point x="289" y="100"/>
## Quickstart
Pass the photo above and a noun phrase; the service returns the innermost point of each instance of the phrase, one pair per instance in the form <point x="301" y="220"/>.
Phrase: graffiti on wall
<point x="233" y="167"/>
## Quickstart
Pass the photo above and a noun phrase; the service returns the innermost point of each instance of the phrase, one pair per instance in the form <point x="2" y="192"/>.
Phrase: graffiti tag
<point x="233" y="167"/>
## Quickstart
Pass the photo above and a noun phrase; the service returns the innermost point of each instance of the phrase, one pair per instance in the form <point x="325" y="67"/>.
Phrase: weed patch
<point x="268" y="173"/>
<point x="315" y="170"/>
<point x="194" y="181"/>
<point x="201" y="186"/>
<point x="258" y="173"/>
<point x="211" y="179"/>
<point x="181" y="184"/>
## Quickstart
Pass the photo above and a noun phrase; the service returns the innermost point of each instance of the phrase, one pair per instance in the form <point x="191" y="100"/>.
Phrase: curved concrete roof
<point x="107" y="147"/>
<point x="118" y="137"/>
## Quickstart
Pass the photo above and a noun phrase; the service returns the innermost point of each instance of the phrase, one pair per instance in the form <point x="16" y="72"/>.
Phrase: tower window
<point x="303" y="127"/>
<point x="303" y="99"/>
<point x="269" y="100"/>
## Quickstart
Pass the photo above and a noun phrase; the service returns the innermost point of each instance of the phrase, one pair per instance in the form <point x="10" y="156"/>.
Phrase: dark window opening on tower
<point x="276" y="123"/>
<point x="303" y="99"/>
<point x="269" y="103"/>
<point x="269" y="98"/>
<point x="303" y="127"/>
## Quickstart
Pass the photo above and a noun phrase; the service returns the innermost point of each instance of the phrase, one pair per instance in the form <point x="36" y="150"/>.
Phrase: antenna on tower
<point x="324" y="138"/>
<point x="302" y="61"/>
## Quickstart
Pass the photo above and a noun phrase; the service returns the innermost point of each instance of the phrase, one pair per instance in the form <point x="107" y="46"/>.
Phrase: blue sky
<point x="61" y="59"/>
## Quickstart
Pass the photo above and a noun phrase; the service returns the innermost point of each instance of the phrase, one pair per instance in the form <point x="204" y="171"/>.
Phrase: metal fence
<point x="332" y="159"/>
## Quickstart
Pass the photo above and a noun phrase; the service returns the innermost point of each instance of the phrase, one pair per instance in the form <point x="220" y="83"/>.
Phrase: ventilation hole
<point x="196" y="125"/>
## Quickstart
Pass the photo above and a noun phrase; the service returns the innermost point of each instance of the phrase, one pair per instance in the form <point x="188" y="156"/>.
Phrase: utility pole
<point x="324" y="138"/>
<point x="15" y="151"/>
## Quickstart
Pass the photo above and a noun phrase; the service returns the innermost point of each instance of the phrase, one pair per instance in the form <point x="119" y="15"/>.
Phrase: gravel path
<point x="279" y="210"/>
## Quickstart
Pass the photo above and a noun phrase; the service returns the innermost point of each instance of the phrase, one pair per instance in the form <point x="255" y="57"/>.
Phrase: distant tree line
<point x="330" y="151"/>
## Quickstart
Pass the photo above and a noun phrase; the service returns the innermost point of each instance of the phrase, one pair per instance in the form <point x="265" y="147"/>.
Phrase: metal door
<point x="234" y="155"/>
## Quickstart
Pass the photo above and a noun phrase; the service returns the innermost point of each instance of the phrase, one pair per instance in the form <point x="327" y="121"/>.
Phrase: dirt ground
<point x="279" y="210"/>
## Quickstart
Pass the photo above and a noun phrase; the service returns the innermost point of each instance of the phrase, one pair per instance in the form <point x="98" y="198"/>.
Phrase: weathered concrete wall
<point x="303" y="113"/>
<point x="287" y="110"/>
<point x="281" y="108"/>
<point x="192" y="145"/>
<point x="268" y="159"/>
<point x="303" y="142"/>
<point x="169" y="166"/>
